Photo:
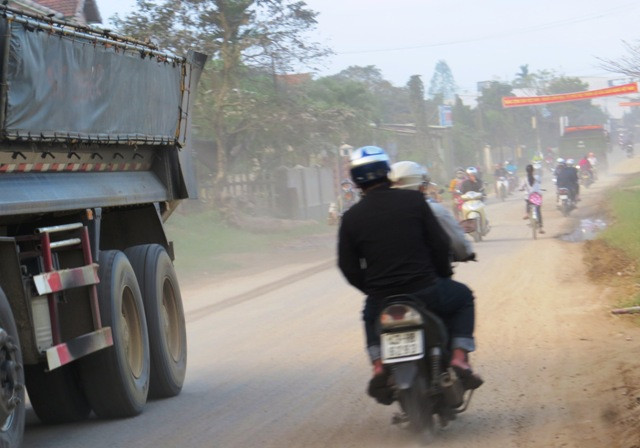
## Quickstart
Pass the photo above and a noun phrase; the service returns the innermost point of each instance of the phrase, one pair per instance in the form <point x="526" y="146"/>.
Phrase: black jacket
<point x="469" y="185"/>
<point x="390" y="243"/>
<point x="567" y="177"/>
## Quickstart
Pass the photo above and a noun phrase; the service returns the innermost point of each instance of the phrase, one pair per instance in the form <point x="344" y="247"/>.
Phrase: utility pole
<point x="534" y="125"/>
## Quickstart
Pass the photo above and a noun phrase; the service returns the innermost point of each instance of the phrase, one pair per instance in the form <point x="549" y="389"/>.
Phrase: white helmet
<point x="560" y="161"/>
<point x="472" y="170"/>
<point x="571" y="162"/>
<point x="407" y="174"/>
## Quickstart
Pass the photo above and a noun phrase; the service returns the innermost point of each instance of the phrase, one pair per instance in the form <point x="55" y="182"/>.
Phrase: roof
<point x="85" y="10"/>
<point x="294" y="78"/>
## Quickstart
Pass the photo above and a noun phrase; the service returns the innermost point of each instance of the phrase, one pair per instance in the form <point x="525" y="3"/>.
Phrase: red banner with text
<point x="517" y="101"/>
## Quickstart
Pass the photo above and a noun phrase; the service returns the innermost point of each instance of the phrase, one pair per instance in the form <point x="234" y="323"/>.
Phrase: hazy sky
<point x="479" y="39"/>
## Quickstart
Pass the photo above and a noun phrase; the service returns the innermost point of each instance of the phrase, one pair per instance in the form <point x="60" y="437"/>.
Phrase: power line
<point x="531" y="29"/>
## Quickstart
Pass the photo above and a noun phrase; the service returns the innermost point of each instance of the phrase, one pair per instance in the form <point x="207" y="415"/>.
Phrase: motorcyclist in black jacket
<point x="390" y="243"/>
<point x="473" y="182"/>
<point x="567" y="177"/>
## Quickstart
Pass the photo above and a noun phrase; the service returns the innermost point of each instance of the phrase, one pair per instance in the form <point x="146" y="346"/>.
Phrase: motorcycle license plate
<point x="402" y="346"/>
<point x="563" y="197"/>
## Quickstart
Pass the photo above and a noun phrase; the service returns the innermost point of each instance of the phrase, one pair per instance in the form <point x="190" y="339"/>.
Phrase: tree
<point x="503" y="129"/>
<point x="423" y="139"/>
<point x="581" y="112"/>
<point x="628" y="65"/>
<point x="464" y="136"/>
<point x="523" y="77"/>
<point x="247" y="39"/>
<point x="442" y="82"/>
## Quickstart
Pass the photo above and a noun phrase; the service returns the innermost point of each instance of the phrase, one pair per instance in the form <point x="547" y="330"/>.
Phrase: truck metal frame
<point x="89" y="172"/>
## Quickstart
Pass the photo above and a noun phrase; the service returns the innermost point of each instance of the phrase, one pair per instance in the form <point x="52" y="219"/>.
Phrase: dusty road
<point x="284" y="366"/>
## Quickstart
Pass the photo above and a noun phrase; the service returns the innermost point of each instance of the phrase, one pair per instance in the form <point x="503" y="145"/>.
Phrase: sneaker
<point x="541" y="231"/>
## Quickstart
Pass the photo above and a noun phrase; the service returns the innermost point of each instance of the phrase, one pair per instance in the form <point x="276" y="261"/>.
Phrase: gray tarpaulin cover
<point x="67" y="87"/>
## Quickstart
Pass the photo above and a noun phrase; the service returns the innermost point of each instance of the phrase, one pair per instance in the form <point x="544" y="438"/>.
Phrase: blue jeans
<point x="450" y="300"/>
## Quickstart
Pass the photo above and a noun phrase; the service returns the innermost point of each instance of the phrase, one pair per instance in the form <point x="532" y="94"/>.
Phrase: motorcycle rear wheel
<point x="477" y="236"/>
<point x="419" y="412"/>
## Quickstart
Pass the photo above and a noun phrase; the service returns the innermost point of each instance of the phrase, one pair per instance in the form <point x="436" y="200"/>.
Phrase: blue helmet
<point x="368" y="165"/>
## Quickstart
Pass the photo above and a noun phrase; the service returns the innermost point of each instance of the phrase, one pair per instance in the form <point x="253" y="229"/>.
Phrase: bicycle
<point x="535" y="202"/>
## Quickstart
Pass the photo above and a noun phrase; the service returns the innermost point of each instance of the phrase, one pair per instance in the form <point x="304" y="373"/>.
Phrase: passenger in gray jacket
<point x="412" y="176"/>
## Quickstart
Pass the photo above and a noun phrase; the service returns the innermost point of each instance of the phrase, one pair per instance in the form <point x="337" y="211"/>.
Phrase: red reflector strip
<point x="66" y="352"/>
<point x="80" y="167"/>
<point x="57" y="281"/>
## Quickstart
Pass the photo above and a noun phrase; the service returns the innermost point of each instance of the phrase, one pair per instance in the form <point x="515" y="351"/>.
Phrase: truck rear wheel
<point x="116" y="379"/>
<point x="56" y="396"/>
<point x="165" y="318"/>
<point x="12" y="397"/>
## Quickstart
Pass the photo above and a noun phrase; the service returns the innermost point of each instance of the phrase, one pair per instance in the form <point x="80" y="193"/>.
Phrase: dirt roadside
<point x="614" y="277"/>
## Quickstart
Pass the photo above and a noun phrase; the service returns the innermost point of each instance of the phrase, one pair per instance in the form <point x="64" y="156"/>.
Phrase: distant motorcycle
<point x="347" y="197"/>
<point x="586" y="178"/>
<point x="564" y="201"/>
<point x="502" y="187"/>
<point x="537" y="168"/>
<point x="629" y="149"/>
<point x="416" y="357"/>
<point x="513" y="181"/>
<point x="474" y="218"/>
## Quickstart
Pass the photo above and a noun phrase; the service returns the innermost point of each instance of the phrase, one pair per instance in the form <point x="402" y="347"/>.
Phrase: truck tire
<point x="116" y="379"/>
<point x="12" y="397"/>
<point x="165" y="318"/>
<point x="56" y="396"/>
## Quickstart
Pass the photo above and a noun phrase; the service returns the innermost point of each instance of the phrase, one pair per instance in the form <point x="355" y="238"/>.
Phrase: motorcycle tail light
<point x="400" y="315"/>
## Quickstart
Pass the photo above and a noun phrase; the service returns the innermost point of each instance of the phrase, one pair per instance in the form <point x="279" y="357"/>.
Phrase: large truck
<point x="578" y="141"/>
<point x="94" y="157"/>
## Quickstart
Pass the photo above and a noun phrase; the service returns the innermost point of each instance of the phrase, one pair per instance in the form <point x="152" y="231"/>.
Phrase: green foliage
<point x="578" y="112"/>
<point x="250" y="42"/>
<point x="260" y="117"/>
<point x="624" y="232"/>
<point x="202" y="241"/>
<point x="442" y="83"/>
<point x="501" y="127"/>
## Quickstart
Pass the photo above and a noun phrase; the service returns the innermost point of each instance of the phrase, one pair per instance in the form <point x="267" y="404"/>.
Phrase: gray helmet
<point x="408" y="175"/>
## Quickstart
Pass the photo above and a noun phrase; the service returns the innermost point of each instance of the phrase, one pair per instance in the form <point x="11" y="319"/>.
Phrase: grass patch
<point x="617" y="249"/>
<point x="624" y="231"/>
<point x="202" y="241"/>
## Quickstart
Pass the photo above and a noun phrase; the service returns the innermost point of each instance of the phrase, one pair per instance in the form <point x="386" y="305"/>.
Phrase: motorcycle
<point x="586" y="178"/>
<point x="416" y="356"/>
<point x="502" y="187"/>
<point x="345" y="201"/>
<point x="629" y="149"/>
<point x="535" y="202"/>
<point x="513" y="181"/>
<point x="550" y="163"/>
<point x="537" y="168"/>
<point x="564" y="202"/>
<point x="474" y="219"/>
